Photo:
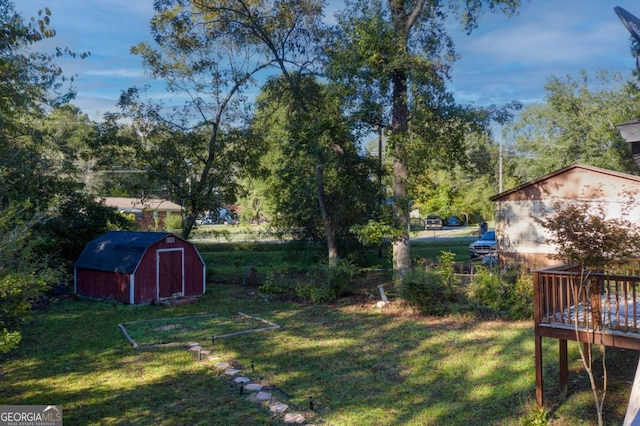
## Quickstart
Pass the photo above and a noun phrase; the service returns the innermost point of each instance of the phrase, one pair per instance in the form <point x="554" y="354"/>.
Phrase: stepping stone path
<point x="294" y="418"/>
<point x="278" y="407"/>
<point x="261" y="396"/>
<point x="253" y="387"/>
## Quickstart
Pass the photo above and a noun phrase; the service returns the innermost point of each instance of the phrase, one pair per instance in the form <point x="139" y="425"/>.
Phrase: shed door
<point x="170" y="273"/>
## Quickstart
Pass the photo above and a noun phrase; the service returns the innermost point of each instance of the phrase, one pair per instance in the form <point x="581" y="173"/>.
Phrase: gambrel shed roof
<point x="118" y="251"/>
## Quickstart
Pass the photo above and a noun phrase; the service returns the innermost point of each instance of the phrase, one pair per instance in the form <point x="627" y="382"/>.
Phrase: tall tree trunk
<point x="326" y="219"/>
<point x="399" y="130"/>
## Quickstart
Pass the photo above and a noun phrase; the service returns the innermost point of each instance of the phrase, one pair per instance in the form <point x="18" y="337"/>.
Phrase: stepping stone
<point x="231" y="371"/>
<point x="253" y="387"/>
<point x="263" y="396"/>
<point x="222" y="365"/>
<point x="242" y="380"/>
<point x="278" y="407"/>
<point x="190" y="344"/>
<point x="203" y="353"/>
<point x="196" y="348"/>
<point x="213" y="358"/>
<point x="294" y="418"/>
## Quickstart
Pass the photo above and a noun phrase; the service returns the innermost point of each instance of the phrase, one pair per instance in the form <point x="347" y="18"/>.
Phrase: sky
<point x="504" y="59"/>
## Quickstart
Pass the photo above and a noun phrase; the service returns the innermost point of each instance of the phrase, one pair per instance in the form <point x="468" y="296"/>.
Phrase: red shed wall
<point x="104" y="285"/>
<point x="194" y="284"/>
<point x="146" y="274"/>
<point x="145" y="278"/>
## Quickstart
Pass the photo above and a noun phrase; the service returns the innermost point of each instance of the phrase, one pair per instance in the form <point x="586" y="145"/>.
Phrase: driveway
<point x="448" y="233"/>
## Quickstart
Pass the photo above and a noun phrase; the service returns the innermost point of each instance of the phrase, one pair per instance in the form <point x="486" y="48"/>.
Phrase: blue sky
<point x="505" y="59"/>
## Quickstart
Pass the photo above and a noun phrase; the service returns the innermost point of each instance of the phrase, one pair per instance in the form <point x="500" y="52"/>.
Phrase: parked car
<point x="454" y="221"/>
<point x="485" y="246"/>
<point x="433" y="222"/>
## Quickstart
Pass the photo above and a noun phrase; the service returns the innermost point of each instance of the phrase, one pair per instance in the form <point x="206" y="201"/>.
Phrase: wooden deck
<point x="602" y="308"/>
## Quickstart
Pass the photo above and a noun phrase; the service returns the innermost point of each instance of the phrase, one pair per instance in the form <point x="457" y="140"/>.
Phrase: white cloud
<point x="116" y="72"/>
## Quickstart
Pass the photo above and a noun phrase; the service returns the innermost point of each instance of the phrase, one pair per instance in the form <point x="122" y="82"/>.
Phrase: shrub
<point x="535" y="416"/>
<point x="312" y="292"/>
<point x="173" y="223"/>
<point x="326" y="282"/>
<point x="486" y="292"/>
<point x="446" y="270"/>
<point x="275" y="283"/>
<point x="425" y="291"/>
<point x="509" y="295"/>
<point x="521" y="296"/>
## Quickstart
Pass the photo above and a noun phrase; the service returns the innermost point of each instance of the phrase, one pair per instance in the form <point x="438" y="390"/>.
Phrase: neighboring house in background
<point x="522" y="239"/>
<point x="148" y="213"/>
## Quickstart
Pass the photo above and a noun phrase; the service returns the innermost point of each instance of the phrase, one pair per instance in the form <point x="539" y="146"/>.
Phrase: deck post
<point x="537" y="317"/>
<point x="564" y="368"/>
<point x="538" y="357"/>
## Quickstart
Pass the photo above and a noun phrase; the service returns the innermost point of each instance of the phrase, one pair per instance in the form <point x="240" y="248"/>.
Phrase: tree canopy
<point x="575" y="124"/>
<point x="403" y="58"/>
<point x="41" y="197"/>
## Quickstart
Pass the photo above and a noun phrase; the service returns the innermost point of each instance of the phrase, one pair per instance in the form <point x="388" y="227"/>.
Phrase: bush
<point x="521" y="296"/>
<point x="324" y="283"/>
<point x="275" y="283"/>
<point x="312" y="292"/>
<point x="173" y="223"/>
<point x="509" y="295"/>
<point x="446" y="269"/>
<point x="425" y="291"/>
<point x="486" y="292"/>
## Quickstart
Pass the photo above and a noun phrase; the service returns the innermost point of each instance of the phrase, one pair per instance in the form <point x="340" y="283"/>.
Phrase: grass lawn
<point x="233" y="262"/>
<point x="360" y="364"/>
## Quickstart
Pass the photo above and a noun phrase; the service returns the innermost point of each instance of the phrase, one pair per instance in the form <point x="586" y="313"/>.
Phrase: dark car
<point x="454" y="221"/>
<point x="485" y="246"/>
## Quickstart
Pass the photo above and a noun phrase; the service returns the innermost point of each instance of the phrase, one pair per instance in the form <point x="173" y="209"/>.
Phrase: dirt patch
<point x="167" y="327"/>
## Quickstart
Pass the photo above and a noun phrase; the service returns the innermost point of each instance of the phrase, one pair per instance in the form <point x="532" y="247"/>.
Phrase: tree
<point x="196" y="148"/>
<point x="23" y="274"/>
<point x="576" y="124"/>
<point x="403" y="55"/>
<point x="317" y="181"/>
<point x="285" y="34"/>
<point x="588" y="238"/>
<point x="30" y="180"/>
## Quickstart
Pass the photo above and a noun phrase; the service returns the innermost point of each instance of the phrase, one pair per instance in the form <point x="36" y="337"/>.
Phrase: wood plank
<point x="616" y="340"/>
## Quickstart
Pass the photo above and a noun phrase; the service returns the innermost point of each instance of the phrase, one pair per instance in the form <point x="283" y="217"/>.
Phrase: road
<point x="448" y="233"/>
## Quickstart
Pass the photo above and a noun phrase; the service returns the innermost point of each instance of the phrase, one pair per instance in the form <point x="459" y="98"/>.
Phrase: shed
<point x="139" y="267"/>
<point x="522" y="239"/>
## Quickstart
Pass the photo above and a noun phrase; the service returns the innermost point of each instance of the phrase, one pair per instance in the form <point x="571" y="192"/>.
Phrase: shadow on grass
<point x="361" y="366"/>
<point x="366" y="368"/>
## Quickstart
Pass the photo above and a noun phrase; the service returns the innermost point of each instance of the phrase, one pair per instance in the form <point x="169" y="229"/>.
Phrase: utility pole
<point x="500" y="159"/>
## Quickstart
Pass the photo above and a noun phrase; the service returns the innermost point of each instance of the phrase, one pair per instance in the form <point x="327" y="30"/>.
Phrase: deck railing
<point x="607" y="299"/>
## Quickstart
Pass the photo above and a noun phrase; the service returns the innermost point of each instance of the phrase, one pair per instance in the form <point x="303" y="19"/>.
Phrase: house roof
<point x="576" y="167"/>
<point x="137" y="205"/>
<point x="117" y="251"/>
